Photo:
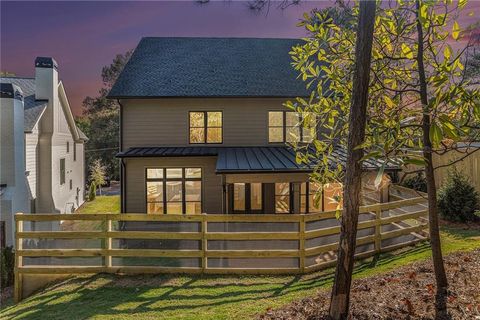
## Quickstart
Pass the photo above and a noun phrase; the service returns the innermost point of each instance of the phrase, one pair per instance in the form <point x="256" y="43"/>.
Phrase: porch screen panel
<point x="282" y="197"/>
<point x="256" y="196"/>
<point x="239" y="197"/>
<point x="174" y="190"/>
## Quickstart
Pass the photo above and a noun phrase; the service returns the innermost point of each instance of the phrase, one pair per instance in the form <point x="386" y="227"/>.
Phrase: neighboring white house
<point x="42" y="150"/>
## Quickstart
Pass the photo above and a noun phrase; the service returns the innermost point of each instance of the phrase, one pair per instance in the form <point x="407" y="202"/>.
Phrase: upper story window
<point x="62" y="171"/>
<point x="290" y="126"/>
<point x="206" y="127"/>
<point x="68" y="146"/>
<point x="74" y="151"/>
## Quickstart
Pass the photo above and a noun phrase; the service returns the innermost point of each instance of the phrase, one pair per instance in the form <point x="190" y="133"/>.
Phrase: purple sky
<point x="85" y="36"/>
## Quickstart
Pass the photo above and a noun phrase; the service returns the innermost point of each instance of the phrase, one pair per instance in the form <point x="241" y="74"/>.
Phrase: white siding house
<point x="50" y="178"/>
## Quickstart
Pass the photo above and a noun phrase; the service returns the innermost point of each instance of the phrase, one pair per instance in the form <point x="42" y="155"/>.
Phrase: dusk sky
<point x="85" y="36"/>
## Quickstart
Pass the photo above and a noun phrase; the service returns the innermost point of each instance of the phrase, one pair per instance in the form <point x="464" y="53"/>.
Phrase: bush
<point x="7" y="263"/>
<point x="417" y="182"/>
<point x="457" y="198"/>
<point x="92" y="191"/>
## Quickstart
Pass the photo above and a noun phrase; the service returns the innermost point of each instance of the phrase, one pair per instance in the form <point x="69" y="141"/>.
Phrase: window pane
<point x="275" y="134"/>
<point x="197" y="135"/>
<point x="174" y="207"/>
<point x="193" y="190"/>
<point x="308" y="134"/>
<point x="275" y="119"/>
<point x="293" y="134"/>
<point x="282" y="197"/>
<point x="293" y="118"/>
<point x="174" y="173"/>
<point x="239" y="196"/>
<point x="214" y="135"/>
<point x="154" y="191"/>
<point x="214" y="119"/>
<point x="154" y="173"/>
<point x="174" y="191"/>
<point x="193" y="172"/>
<point x="315" y="197"/>
<point x="256" y="196"/>
<point x="282" y="204"/>
<point x="197" y="119"/>
<point x="303" y="203"/>
<point x="193" y="207"/>
<point x="155" y="207"/>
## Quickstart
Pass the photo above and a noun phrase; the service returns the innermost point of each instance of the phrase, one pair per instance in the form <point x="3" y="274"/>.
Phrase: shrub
<point x="457" y="198"/>
<point x="417" y="182"/>
<point x="7" y="263"/>
<point x="92" y="191"/>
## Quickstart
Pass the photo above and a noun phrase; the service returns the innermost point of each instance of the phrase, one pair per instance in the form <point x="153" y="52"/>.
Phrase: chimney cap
<point x="46" y="62"/>
<point x="10" y="91"/>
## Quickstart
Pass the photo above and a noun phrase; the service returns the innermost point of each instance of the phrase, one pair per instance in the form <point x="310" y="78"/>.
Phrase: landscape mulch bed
<point x="406" y="293"/>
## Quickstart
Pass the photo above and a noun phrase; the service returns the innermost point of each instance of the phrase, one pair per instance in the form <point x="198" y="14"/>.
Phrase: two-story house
<point x="204" y="129"/>
<point x="42" y="150"/>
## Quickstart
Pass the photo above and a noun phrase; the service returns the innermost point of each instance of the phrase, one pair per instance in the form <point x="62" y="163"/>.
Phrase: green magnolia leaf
<point x="447" y="52"/>
<point x="435" y="133"/>
<point x="407" y="52"/>
<point x="462" y="3"/>
<point x="388" y="101"/>
<point x="415" y="161"/>
<point x="455" y="30"/>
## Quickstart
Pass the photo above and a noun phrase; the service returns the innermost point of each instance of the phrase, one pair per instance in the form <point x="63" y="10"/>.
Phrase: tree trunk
<point x="439" y="269"/>
<point x="340" y="299"/>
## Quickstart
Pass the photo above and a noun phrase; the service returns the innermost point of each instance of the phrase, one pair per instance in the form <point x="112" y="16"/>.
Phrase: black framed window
<point x="291" y="127"/>
<point x="205" y="127"/>
<point x="311" y="197"/>
<point x="174" y="190"/>
<point x="68" y="146"/>
<point x="74" y="151"/>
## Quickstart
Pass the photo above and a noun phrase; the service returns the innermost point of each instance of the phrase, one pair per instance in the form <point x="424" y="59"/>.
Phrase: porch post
<point x="224" y="195"/>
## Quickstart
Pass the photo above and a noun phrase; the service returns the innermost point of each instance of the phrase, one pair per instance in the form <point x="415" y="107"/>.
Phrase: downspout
<point x="123" y="187"/>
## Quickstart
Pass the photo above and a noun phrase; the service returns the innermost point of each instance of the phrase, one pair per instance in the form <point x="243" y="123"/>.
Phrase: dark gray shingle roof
<point x="246" y="159"/>
<point x="210" y="67"/>
<point x="33" y="108"/>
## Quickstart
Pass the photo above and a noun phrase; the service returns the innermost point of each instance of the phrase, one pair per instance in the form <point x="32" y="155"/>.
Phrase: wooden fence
<point x="225" y="244"/>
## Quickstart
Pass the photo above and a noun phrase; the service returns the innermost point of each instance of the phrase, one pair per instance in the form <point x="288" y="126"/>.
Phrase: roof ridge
<point x="203" y="38"/>
<point x="30" y="78"/>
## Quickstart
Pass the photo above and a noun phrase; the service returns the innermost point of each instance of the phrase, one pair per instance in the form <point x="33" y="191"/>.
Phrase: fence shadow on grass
<point x="112" y="295"/>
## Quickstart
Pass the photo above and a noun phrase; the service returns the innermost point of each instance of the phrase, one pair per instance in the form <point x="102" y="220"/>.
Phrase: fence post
<point x="18" y="277"/>
<point x="107" y="242"/>
<point x="378" y="229"/>
<point x="204" y="242"/>
<point x="302" y="243"/>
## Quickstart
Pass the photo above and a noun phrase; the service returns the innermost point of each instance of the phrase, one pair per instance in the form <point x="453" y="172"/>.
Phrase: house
<point x="204" y="129"/>
<point x="42" y="150"/>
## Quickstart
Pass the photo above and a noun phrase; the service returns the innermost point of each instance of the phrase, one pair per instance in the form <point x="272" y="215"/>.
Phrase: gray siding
<point x="164" y="122"/>
<point x="135" y="181"/>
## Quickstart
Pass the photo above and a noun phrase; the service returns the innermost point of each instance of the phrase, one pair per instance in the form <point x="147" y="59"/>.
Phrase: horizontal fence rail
<point x="58" y="244"/>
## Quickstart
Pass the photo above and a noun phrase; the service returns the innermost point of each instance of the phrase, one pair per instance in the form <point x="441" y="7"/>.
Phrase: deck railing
<point x="54" y="244"/>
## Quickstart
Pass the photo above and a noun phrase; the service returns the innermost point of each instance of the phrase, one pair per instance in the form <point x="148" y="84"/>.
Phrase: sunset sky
<point x="85" y="36"/>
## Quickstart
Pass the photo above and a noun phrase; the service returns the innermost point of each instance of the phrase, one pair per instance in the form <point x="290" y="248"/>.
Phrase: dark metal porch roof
<point x="244" y="159"/>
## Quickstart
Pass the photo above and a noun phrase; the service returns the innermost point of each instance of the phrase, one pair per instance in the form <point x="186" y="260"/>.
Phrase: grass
<point x="101" y="204"/>
<point x="205" y="297"/>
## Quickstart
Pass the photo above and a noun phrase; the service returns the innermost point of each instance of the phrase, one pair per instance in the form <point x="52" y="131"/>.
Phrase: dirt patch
<point x="406" y="293"/>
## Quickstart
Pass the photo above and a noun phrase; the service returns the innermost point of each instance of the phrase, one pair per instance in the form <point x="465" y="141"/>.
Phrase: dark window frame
<point x="307" y="200"/>
<point x="164" y="181"/>
<point x="205" y="126"/>
<point x="74" y="151"/>
<point x="290" y="198"/>
<point x="285" y="127"/>
<point x="68" y="146"/>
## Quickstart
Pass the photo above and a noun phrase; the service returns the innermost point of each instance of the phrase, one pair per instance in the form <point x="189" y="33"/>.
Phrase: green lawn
<point x="203" y="297"/>
<point x="101" y="204"/>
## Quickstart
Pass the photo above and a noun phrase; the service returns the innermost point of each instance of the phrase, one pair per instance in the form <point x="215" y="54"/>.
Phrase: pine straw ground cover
<point x="406" y="293"/>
